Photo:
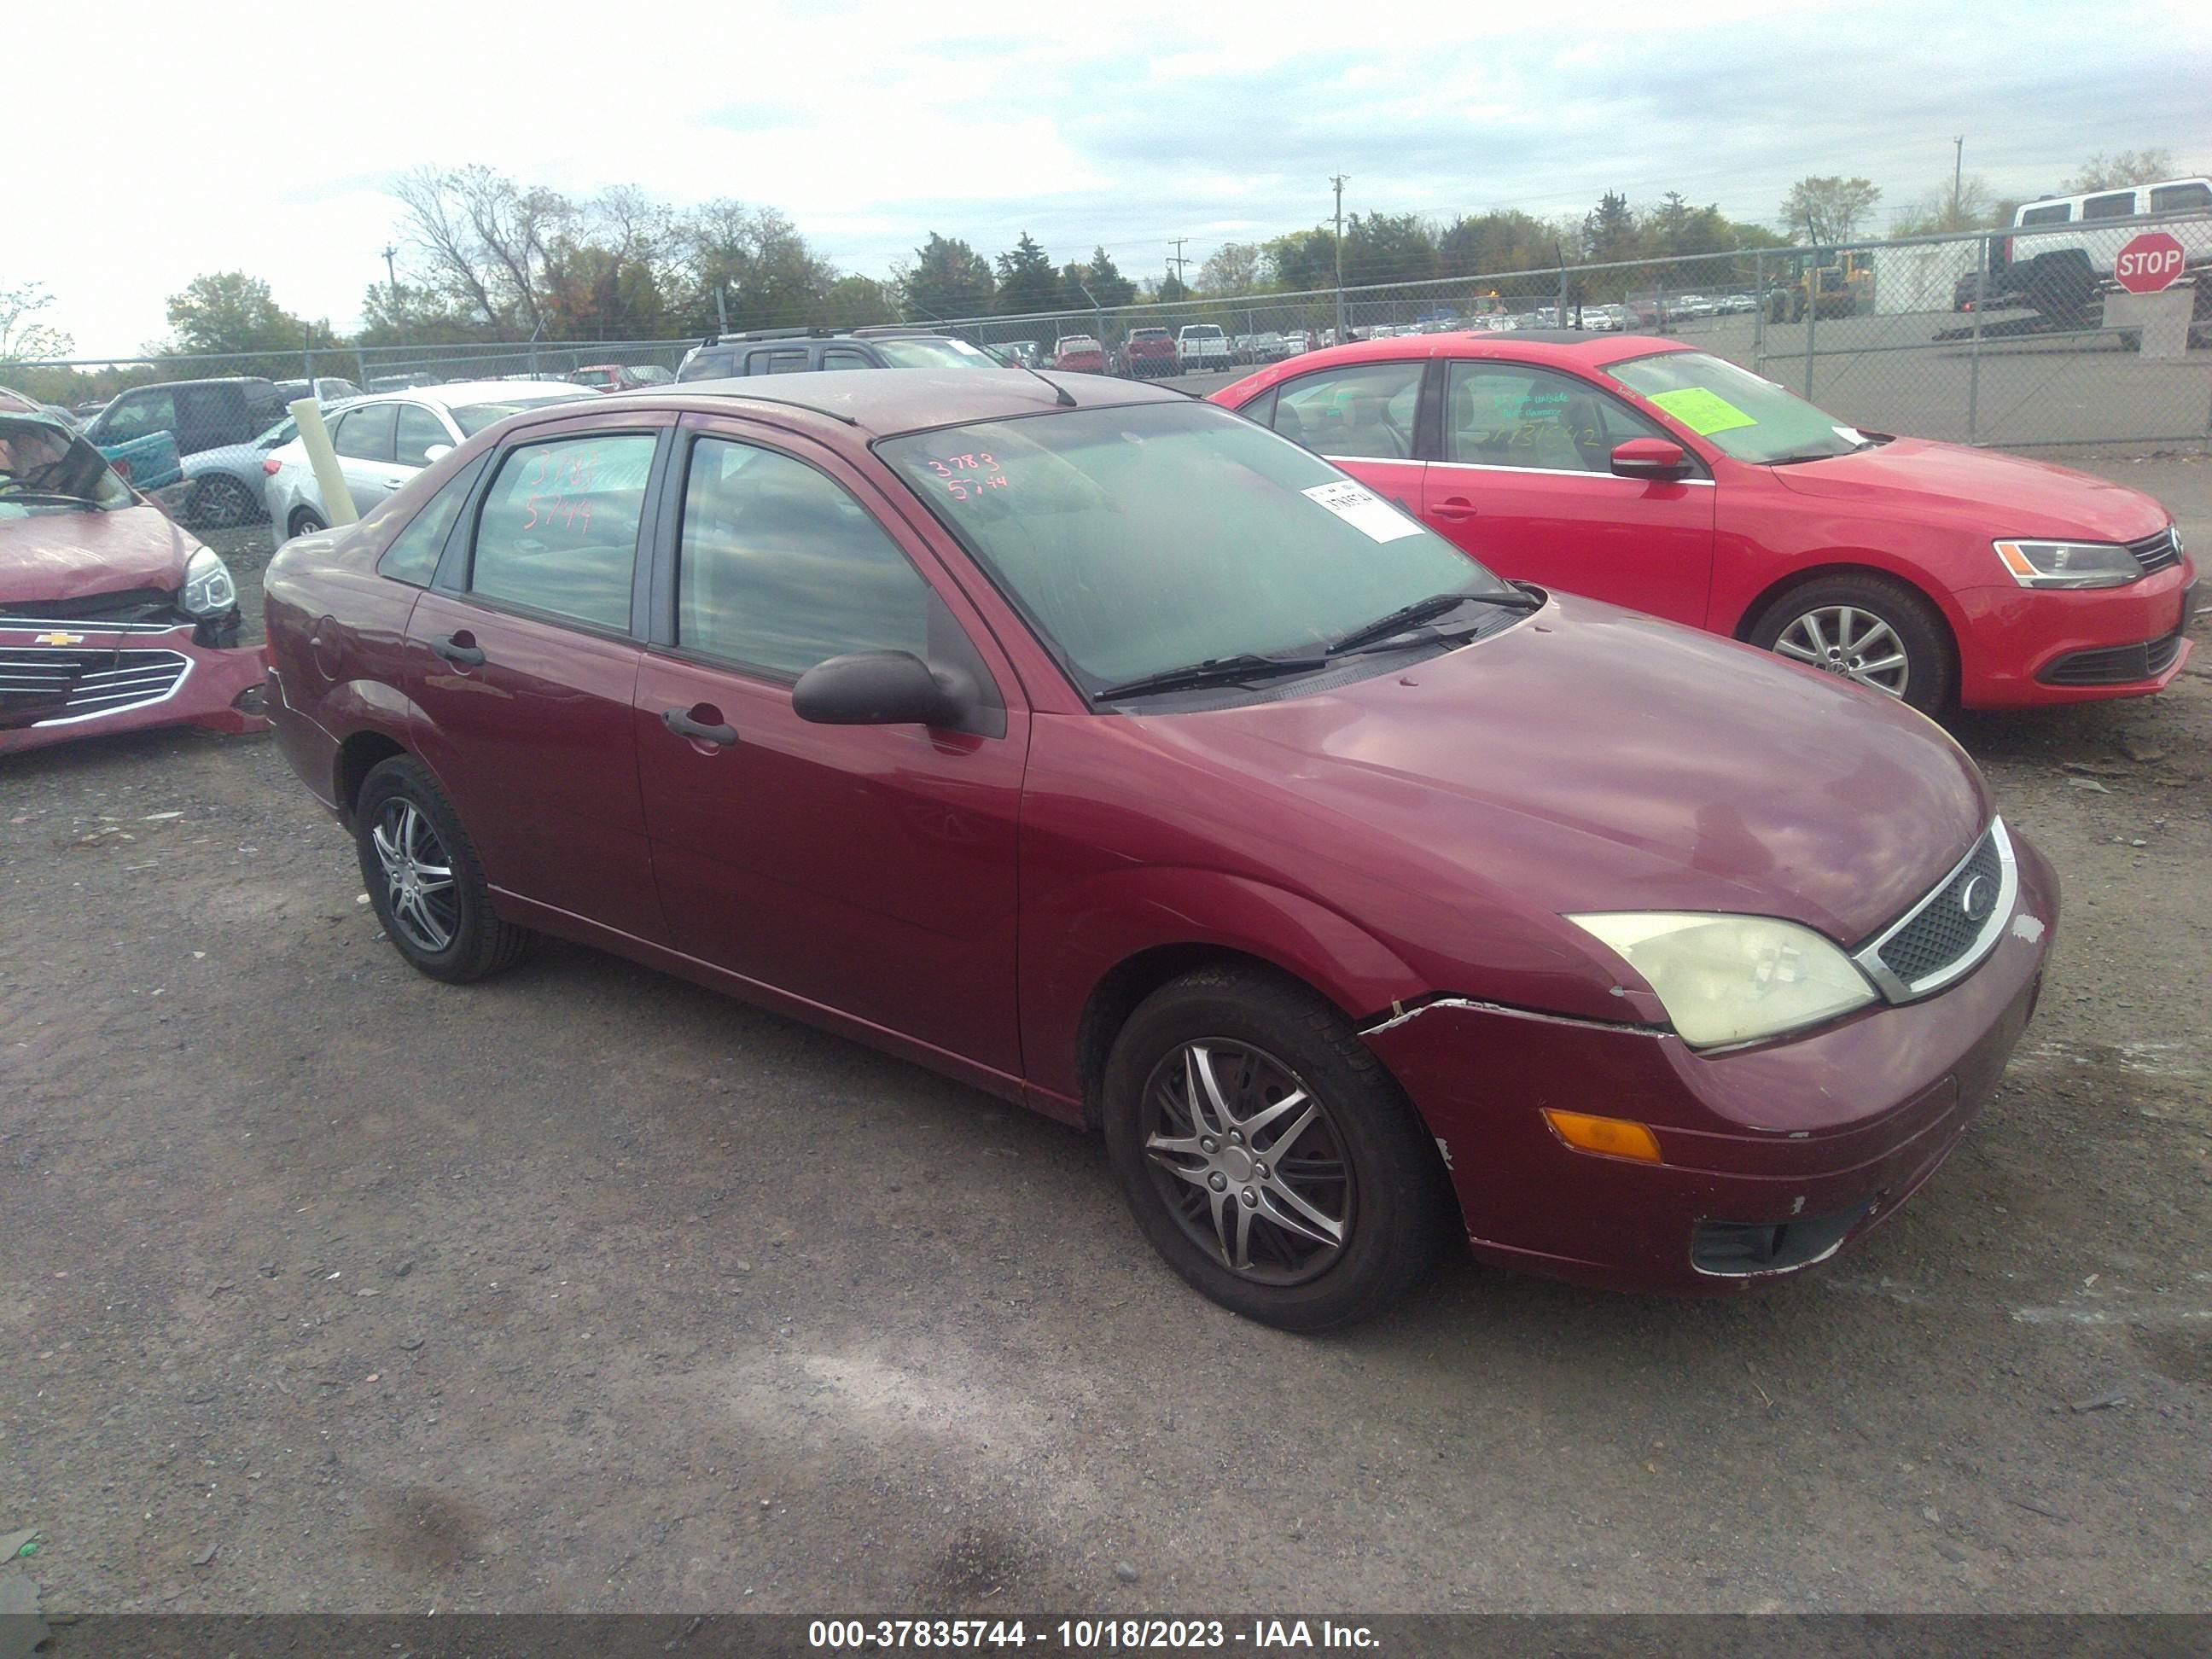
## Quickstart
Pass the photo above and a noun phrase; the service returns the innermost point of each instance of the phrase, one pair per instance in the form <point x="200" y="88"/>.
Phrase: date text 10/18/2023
<point x="1086" y="1635"/>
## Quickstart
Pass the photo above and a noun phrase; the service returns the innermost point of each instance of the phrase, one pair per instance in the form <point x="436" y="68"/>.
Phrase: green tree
<point x="1303" y="260"/>
<point x="229" y="311"/>
<point x="1027" y="281"/>
<point x="1609" y="230"/>
<point x="22" y="341"/>
<point x="1828" y="209"/>
<point x="2129" y="167"/>
<point x="1387" y="247"/>
<point x="1107" y="281"/>
<point x="858" y="302"/>
<point x="1495" y="243"/>
<point x="1232" y="268"/>
<point x="1172" y="290"/>
<point x="947" y="279"/>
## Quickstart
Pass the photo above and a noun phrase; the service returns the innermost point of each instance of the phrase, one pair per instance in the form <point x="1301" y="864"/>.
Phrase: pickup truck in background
<point x="1201" y="345"/>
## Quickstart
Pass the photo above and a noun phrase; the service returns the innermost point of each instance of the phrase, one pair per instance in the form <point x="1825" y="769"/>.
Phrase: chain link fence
<point x="2018" y="338"/>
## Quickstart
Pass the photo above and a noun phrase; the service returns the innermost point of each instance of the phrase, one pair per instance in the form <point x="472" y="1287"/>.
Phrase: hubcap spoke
<point x="1284" y="1198"/>
<point x="1789" y="647"/>
<point x="1205" y="1091"/>
<point x="1811" y="624"/>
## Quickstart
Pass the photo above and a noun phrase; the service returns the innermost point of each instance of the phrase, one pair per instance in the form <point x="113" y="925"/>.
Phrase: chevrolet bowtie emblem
<point x="57" y="639"/>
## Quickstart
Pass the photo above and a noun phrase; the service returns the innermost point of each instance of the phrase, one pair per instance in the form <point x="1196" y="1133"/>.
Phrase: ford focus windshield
<point x="1139" y="541"/>
<point x="1746" y="418"/>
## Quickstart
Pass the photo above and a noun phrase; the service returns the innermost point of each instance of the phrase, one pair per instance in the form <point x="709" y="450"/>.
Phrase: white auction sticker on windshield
<point x="1364" y="510"/>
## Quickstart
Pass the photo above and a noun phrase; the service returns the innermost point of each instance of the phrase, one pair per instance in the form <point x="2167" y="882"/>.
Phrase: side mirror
<point x="435" y="452"/>
<point x="879" y="688"/>
<point x="1655" y="459"/>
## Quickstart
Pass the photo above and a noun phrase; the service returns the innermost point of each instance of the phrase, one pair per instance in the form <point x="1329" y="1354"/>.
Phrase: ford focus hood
<point x="1589" y="758"/>
<point x="2005" y="495"/>
<point x="51" y="556"/>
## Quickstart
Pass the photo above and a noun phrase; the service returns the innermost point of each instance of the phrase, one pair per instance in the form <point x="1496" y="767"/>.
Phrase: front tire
<point x="1267" y="1155"/>
<point x="424" y="879"/>
<point x="1870" y="629"/>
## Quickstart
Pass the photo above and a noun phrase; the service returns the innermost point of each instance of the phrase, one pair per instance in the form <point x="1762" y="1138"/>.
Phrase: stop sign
<point x="2149" y="263"/>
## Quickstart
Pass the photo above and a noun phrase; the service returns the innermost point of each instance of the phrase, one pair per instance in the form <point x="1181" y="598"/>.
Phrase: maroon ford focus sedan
<point x="1123" y="758"/>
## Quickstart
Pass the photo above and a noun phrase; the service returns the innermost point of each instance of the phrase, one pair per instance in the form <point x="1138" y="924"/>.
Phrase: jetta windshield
<point x="46" y="468"/>
<point x="1141" y="539"/>
<point x="1744" y="417"/>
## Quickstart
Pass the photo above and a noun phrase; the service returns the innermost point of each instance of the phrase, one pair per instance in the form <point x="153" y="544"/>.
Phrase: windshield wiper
<point x="46" y="496"/>
<point x="1214" y="670"/>
<point x="1428" y="609"/>
<point x="1810" y="455"/>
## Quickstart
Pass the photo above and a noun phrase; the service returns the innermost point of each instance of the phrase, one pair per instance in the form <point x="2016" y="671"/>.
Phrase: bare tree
<point x="1941" y="209"/>
<point x="2129" y="167"/>
<point x="23" y="342"/>
<point x="1828" y="210"/>
<point x="484" y="236"/>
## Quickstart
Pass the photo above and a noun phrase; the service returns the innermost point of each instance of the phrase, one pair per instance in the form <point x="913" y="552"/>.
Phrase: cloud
<point x="266" y="145"/>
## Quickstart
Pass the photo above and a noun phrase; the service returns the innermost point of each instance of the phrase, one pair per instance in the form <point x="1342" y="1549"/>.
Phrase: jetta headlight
<point x="2069" y="564"/>
<point x="1733" y="979"/>
<point x="208" y="589"/>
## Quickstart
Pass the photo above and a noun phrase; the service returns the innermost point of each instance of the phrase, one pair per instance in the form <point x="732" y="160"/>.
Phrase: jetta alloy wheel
<point x="1849" y="642"/>
<point x="418" y="876"/>
<point x="1249" y="1161"/>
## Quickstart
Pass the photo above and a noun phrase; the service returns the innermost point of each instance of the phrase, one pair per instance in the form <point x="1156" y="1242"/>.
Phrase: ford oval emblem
<point x="1979" y="898"/>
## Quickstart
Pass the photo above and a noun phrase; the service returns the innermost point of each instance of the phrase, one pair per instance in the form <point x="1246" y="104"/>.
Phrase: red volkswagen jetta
<point x="1642" y="471"/>
<point x="1099" y="748"/>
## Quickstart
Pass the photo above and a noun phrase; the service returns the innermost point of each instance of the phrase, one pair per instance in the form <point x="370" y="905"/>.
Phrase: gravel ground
<point x="325" y="1287"/>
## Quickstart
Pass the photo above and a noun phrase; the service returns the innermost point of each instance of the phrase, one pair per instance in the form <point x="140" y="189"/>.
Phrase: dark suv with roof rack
<point x="797" y="350"/>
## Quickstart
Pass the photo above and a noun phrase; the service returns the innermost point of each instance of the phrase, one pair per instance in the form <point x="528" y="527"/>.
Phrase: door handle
<point x="1454" y="507"/>
<point x="394" y="483"/>
<point x="454" y="651"/>
<point x="679" y="722"/>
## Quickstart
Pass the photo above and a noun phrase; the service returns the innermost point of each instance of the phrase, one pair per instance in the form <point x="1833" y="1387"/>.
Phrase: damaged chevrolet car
<point x="112" y="618"/>
<point x="1123" y="758"/>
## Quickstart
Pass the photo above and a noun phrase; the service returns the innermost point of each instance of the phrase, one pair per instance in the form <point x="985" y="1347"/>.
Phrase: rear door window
<point x="2118" y="204"/>
<point x="365" y="435"/>
<point x="786" y="361"/>
<point x="413" y="555"/>
<point x="2056" y="214"/>
<point x="558" y="531"/>
<point x="844" y="357"/>
<point x="1365" y="411"/>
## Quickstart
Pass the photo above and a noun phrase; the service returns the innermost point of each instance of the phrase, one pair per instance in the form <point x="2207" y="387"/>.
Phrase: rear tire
<point x="305" y="522"/>
<point x="1851" y="626"/>
<point x="424" y="879"/>
<point x="219" y="503"/>
<point x="1355" y="1165"/>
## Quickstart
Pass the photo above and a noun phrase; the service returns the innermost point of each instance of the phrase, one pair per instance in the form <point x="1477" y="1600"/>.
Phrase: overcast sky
<point x="186" y="139"/>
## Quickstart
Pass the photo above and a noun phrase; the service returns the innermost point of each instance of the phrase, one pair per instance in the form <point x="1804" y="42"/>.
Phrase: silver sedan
<point x="383" y="441"/>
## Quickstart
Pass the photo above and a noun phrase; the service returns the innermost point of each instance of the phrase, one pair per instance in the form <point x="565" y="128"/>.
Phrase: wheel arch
<point x="358" y="756"/>
<point x="1124" y="987"/>
<point x="1849" y="562"/>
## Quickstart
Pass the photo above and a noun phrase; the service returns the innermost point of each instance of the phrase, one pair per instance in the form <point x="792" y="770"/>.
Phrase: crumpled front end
<point x="135" y="662"/>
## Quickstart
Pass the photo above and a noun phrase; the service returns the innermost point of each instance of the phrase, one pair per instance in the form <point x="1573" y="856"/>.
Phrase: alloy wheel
<point x="1846" y="640"/>
<point x="418" y="876"/>
<point x="1249" y="1161"/>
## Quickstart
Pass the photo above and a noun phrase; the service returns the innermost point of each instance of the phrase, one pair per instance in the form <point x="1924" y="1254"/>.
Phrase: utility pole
<point x="1177" y="258"/>
<point x="1958" y="165"/>
<point x="1338" y="180"/>
<point x="392" y="292"/>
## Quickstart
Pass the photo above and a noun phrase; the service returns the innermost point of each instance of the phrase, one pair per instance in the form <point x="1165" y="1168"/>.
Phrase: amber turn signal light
<point x="1608" y="1137"/>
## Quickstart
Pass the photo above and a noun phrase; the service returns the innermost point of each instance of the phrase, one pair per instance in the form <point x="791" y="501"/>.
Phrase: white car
<point x="383" y="441"/>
